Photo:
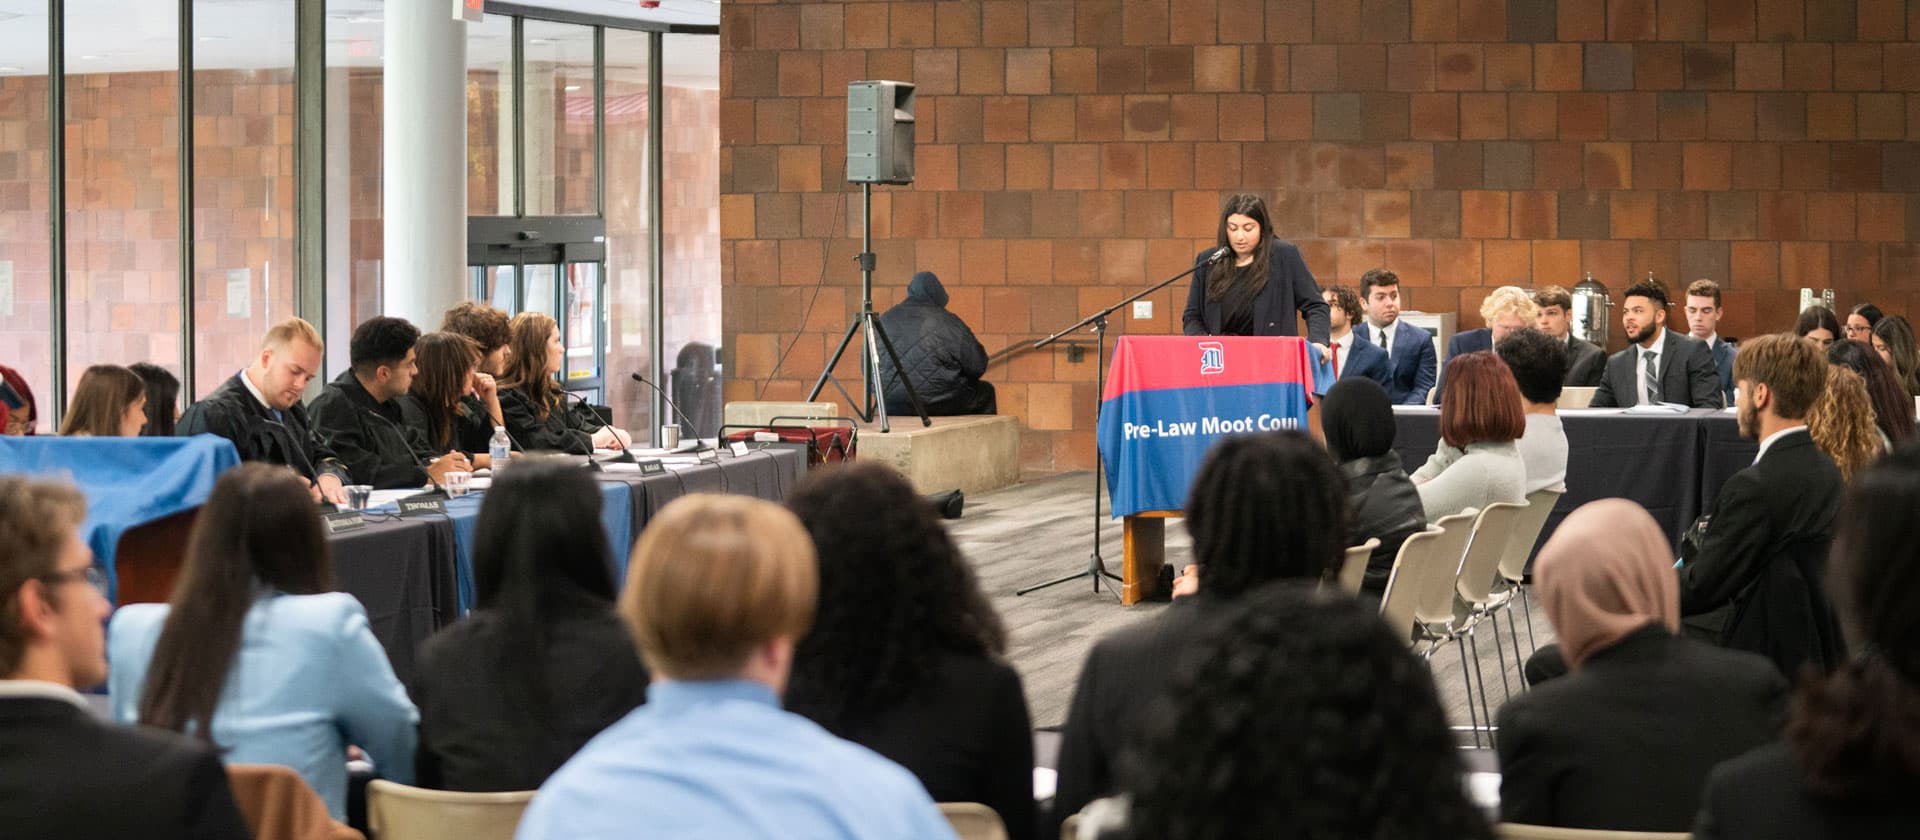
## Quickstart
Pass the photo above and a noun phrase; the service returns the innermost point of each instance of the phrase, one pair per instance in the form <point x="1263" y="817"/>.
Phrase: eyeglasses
<point x="91" y="576"/>
<point x="1858" y="329"/>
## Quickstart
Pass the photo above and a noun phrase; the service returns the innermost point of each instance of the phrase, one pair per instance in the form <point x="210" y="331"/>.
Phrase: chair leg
<point x="1467" y="678"/>
<point x="1533" y="647"/>
<point x="1486" y="710"/>
<point x="1513" y="637"/>
<point x="1506" y="689"/>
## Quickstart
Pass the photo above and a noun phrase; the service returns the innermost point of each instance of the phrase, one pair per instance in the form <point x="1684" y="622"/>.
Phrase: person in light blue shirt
<point x="719" y="591"/>
<point x="256" y="650"/>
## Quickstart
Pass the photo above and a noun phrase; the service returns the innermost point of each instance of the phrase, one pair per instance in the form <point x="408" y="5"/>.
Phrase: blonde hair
<point x="712" y="578"/>
<point x="1509" y="299"/>
<point x="1841" y="422"/>
<point x="290" y="330"/>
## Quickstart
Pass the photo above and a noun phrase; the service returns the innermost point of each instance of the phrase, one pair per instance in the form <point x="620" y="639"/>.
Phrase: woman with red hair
<point x="1480" y="418"/>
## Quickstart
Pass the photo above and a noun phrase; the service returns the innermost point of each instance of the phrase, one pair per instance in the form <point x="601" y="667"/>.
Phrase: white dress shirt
<point x="1345" y="343"/>
<point x="1640" y="365"/>
<point x="1772" y="438"/>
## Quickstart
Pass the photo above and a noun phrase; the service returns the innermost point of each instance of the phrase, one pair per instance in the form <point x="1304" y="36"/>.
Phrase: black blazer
<point x="1385" y="505"/>
<point x="569" y="427"/>
<point x="1625" y="742"/>
<point x="474" y="736"/>
<point x="1290" y="288"/>
<point x="966" y="736"/>
<point x="1687" y="375"/>
<point x="1763" y="796"/>
<point x="1765" y="552"/>
<point x="1585" y="363"/>
<point x="65" y="774"/>
<point x="378" y="442"/>
<point x="232" y="413"/>
<point x="1124" y="672"/>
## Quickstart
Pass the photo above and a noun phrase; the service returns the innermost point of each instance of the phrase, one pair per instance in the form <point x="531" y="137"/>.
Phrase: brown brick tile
<point x="1710" y="260"/>
<point x="1658" y="67"/>
<point x="1314" y="67"/>
<point x="912" y="25"/>
<point x="1633" y="116"/>
<point x="1218" y="68"/>
<point x="776" y="28"/>
<point x="1147" y="118"/>
<point x="1532" y="116"/>
<point x="891" y="64"/>
<point x="1099" y="118"/>
<point x="1050" y="23"/>
<point x="865" y="25"/>
<point x="1557" y="66"/>
<point x="1336" y="21"/>
<point x="1555" y="261"/>
<point x="1503" y="261"/>
<point x="1196" y="117"/>
<point x="1216" y="166"/>
<point x="1171" y="165"/>
<point x="1051" y="118"/>
<point x="1529" y="21"/>
<point x="1388" y="214"/>
<point x="756" y="169"/>
<point x="962" y="214"/>
<point x="1383" y="116"/>
<point x="1144" y="21"/>
<point x="1757" y="66"/>
<point x="1456" y="262"/>
<point x="1730" y="116"/>
<point x="1582" y="20"/>
<point x="1631" y="20"/>
<point x="1881" y="20"/>
<point x="1803" y="265"/>
<point x="1585" y="214"/>
<point x="1856" y="166"/>
<point x="1460" y="165"/>
<point x="1029" y="71"/>
<point x="1290" y="116"/>
<point x="1483" y="20"/>
<point x="1856" y="66"/>
<point x="1436" y="214"/>
<point x="1683" y="116"/>
<point x="1830" y="116"/>
<point x="1076" y="166"/>
<point x="936" y="167"/>
<point x="1754" y="265"/>
<point x="1733" y="215"/>
<point x="1682" y="20"/>
<point x="1483" y="116"/>
<point x="1356" y="256"/>
<point x="959" y="119"/>
<point x="1777" y="20"/>
<point x="736" y="217"/>
<point x="1121" y="69"/>
<point x="1410" y="67"/>
<point x="1195" y="22"/>
<point x="1170" y="69"/>
<point x="1759" y="167"/>
<point x="1340" y="214"/>
<point x="1856" y="263"/>
<point x="1056" y="214"/>
<point x="936" y="72"/>
<point x="1660" y="260"/>
<point x="1831" y="20"/>
<point x="1558" y="166"/>
<point x="1902" y="167"/>
<point x="1261" y="67"/>
<point x="1003" y="23"/>
<point x="1781" y="116"/>
<point x="1708" y="66"/>
<point x="1361" y="67"/>
<point x="1805" y="166"/>
<point x="1436" y="20"/>
<point x="983" y="167"/>
<point x="956" y="24"/>
<point x="1123" y="166"/>
<point x="1830" y="216"/>
<point x="1707" y="166"/>
<point x="1412" y="259"/>
<point x="1242" y="116"/>
<point x="1030" y="167"/>
<point x="1434" y="116"/>
<point x="1634" y="215"/>
<point x="1458" y="67"/>
<point x="1245" y="22"/>
<point x="1583" y="116"/>
<point x="1507" y="66"/>
<point x="1608" y="166"/>
<point x="1410" y="165"/>
<point x="1613" y="66"/>
<point x="1882" y="217"/>
<point x="1149" y="214"/>
<point x="1882" y="116"/>
<point x="1534" y="214"/>
<point x="1808" y="67"/>
<point x="1900" y="67"/>
<point x="1483" y="214"/>
<point x="1004" y="119"/>
<point x="1075" y="70"/>
<point x="1683" y="215"/>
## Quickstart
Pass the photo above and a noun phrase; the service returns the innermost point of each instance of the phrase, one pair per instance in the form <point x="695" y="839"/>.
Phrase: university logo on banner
<point x="1213" y="358"/>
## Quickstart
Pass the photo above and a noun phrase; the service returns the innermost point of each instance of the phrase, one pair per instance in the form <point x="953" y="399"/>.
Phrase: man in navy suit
<point x="1351" y="355"/>
<point x="1411" y="364"/>
<point x="1508" y="310"/>
<point x="1703" y="323"/>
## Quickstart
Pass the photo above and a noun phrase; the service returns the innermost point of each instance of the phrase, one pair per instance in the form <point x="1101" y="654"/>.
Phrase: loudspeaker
<point x="880" y="132"/>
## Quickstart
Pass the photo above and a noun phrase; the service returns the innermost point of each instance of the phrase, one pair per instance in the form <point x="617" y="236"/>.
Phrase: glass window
<point x="490" y="117"/>
<point x="26" y="336"/>
<point x="559" y="119"/>
<point x="355" y="218"/>
<point x="628" y="227"/>
<point x="690" y="180"/>
<point x="123" y="179"/>
<point x="243" y="189"/>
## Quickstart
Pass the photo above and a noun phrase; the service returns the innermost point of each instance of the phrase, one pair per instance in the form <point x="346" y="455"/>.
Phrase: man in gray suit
<point x="1658" y="365"/>
<point x="1584" y="358"/>
<point x="1703" y="323"/>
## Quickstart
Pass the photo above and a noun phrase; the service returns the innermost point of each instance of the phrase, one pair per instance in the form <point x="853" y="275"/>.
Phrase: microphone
<point x="1218" y="255"/>
<point x="699" y="444"/>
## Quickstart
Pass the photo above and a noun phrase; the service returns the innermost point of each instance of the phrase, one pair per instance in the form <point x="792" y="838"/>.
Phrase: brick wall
<point x="1071" y="152"/>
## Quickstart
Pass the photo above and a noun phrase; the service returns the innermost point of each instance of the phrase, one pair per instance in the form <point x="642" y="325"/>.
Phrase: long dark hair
<point x="1895" y="332"/>
<point x="527" y="363"/>
<point x="445" y="362"/>
<point x="1235" y="287"/>
<point x="1856" y="732"/>
<point x="1239" y="538"/>
<point x="1367" y="751"/>
<point x="163" y="395"/>
<point x="894" y="594"/>
<point x="101" y="400"/>
<point x="539" y="551"/>
<point x="1892" y="405"/>
<point x="1817" y="317"/>
<point x="258" y="530"/>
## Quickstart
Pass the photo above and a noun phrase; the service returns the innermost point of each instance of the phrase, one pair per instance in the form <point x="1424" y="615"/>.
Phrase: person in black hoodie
<point x="364" y="415"/>
<point x="1357" y="418"/>
<point x="938" y="354"/>
<point x="259" y="410"/>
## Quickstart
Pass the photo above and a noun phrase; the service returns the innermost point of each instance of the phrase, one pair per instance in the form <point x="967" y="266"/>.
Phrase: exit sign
<point x="469" y="10"/>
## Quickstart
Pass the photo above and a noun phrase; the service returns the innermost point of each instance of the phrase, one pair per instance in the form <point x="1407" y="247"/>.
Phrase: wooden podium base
<point x="1145" y="535"/>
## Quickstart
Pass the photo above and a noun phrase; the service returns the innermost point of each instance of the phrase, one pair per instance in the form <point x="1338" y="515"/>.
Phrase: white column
<point x="424" y="173"/>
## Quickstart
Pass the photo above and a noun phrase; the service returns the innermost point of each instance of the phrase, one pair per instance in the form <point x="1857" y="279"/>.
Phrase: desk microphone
<point x="700" y="445"/>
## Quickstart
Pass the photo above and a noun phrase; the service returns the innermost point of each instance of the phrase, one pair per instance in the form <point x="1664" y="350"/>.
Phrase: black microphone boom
<point x="699" y="444"/>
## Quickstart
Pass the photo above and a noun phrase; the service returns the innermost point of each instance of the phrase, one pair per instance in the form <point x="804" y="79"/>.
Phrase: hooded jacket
<point x="938" y="353"/>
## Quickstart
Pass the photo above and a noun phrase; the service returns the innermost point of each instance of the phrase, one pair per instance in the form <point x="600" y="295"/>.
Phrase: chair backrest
<point x="1492" y="530"/>
<point x="1519" y="831"/>
<point x="402" y="812"/>
<point x="1575" y="396"/>
<point x="1070" y="829"/>
<point x="1433" y="605"/>
<point x="974" y="821"/>
<point x="278" y="805"/>
<point x="1403" y="586"/>
<point x="1353" y="569"/>
<point x="1526" y="532"/>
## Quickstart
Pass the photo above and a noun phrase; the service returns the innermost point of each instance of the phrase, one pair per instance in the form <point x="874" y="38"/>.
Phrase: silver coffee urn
<point x="1592" y="311"/>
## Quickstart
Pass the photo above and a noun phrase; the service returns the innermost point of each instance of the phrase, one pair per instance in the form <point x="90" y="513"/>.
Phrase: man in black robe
<point x="259" y="410"/>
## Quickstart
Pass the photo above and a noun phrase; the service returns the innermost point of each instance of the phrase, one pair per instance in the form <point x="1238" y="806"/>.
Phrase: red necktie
<point x="1336" y="361"/>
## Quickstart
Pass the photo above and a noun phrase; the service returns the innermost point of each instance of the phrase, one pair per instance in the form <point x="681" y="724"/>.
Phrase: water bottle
<point x="500" y="449"/>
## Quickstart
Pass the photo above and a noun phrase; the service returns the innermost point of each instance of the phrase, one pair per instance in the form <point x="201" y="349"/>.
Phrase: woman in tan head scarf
<point x="1625" y="740"/>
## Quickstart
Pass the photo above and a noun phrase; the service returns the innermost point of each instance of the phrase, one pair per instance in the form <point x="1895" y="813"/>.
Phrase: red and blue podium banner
<point x="1169" y="398"/>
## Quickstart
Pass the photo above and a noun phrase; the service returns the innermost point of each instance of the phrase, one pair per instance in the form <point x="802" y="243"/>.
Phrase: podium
<point x="1167" y="400"/>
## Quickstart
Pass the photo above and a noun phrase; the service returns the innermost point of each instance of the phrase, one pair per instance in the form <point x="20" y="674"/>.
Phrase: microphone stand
<point x="699" y="443"/>
<point x="1096" y="566"/>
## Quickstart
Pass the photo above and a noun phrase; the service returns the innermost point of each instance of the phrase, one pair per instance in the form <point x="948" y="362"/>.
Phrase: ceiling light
<point x="572" y="88"/>
<point x="213" y="37"/>
<point x="541" y="41"/>
<point x="89" y="58"/>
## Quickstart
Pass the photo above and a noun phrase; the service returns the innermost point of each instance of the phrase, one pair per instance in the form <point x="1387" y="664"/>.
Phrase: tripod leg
<point x="833" y="363"/>
<point x="870" y="369"/>
<point x="913" y="396"/>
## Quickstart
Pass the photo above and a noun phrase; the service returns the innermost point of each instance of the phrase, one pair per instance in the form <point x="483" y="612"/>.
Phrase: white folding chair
<point x="1512" y="583"/>
<point x="1473" y="589"/>
<point x="1353" y="568"/>
<point x="974" y="821"/>
<point x="1574" y="396"/>
<point x="1520" y="831"/>
<point x="410" y="813"/>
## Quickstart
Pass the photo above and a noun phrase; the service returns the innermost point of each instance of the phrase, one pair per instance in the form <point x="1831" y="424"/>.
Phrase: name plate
<point x="430" y="502"/>
<point x="651" y="466"/>
<point x="739" y="448"/>
<point x="344" y="521"/>
<point x="710" y="456"/>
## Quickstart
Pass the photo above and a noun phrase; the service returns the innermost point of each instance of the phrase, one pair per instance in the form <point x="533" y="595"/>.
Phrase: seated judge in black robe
<point x="538" y="413"/>
<point x="366" y="418"/>
<point x="1258" y="286"/>
<point x="458" y="405"/>
<point x="259" y="410"/>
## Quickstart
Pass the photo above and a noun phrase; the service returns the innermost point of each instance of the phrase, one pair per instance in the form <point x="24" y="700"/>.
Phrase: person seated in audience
<point x="459" y="404"/>
<point x="539" y="416"/>
<point x="1840" y="422"/>
<point x="1893" y="407"/>
<point x="1755" y="583"/>
<point x="1585" y="360"/>
<point x="256" y="654"/>
<point x="1850" y="761"/>
<point x="720" y="591"/>
<point x="939" y="355"/>
<point x="110" y="401"/>
<point x="490" y="330"/>
<point x="1238" y="544"/>
<point x="1893" y="339"/>
<point x="1860" y="322"/>
<point x="364" y="420"/>
<point x="1351" y="356"/>
<point x="1819" y="325"/>
<point x="1480" y="420"/>
<point x="1538" y="364"/>
<point x="1508" y="309"/>
<point x="511" y="692"/>
<point x="1625" y="740"/>
<point x="163" y="399"/>
<point x="1357" y="419"/>
<point x="1659" y="365"/>
<point x="259" y="410"/>
<point x="1301" y="715"/>
<point x="1703" y="324"/>
<point x="17" y="409"/>
<point x="906" y="655"/>
<point x="64" y="772"/>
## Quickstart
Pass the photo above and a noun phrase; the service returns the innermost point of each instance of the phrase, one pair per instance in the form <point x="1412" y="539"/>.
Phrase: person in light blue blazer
<point x="255" y="653"/>
<point x="1412" y="365"/>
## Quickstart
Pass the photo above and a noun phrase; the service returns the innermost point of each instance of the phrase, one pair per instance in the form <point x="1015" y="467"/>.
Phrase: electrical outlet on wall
<point x="1142" y="310"/>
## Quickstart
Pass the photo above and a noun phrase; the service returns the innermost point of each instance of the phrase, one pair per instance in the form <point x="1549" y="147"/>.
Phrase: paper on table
<point x="1658" y="408"/>
<point x="389" y="498"/>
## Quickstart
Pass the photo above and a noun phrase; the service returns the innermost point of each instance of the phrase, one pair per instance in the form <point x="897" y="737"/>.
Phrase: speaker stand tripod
<point x="867" y="325"/>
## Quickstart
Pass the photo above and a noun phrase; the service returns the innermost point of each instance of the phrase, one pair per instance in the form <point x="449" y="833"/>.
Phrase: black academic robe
<point x="376" y="440"/>
<point x="232" y="412"/>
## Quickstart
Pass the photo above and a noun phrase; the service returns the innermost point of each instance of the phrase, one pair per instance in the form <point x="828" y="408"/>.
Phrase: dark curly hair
<point x="1538" y="362"/>
<point x="894" y="593"/>
<point x="1266" y="507"/>
<point x="1649" y="289"/>
<point x="1299" y="715"/>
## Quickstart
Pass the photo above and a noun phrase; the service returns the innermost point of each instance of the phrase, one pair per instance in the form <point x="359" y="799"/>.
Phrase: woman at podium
<point x="1253" y="282"/>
